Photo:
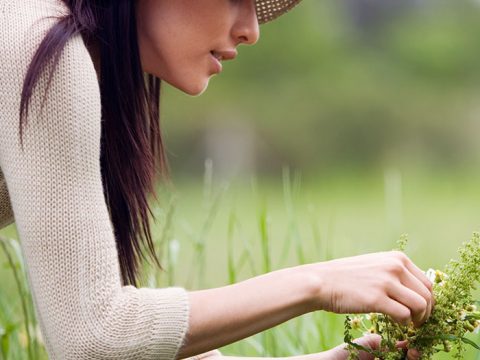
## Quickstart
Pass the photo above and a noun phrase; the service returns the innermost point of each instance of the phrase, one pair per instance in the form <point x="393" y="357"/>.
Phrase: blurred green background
<point x="340" y="84"/>
<point x="349" y="123"/>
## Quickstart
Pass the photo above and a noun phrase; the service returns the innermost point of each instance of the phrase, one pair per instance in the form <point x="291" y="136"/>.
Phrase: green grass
<point x="258" y="225"/>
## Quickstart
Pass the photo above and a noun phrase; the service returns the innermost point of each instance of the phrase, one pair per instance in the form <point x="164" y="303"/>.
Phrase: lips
<point x="216" y="63"/>
<point x="216" y="55"/>
<point x="221" y="55"/>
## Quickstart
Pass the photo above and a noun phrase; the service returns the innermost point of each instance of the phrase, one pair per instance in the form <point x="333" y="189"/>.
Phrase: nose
<point x="246" y="30"/>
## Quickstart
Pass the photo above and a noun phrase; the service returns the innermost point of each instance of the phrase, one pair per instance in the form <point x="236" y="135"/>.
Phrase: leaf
<point x="473" y="316"/>
<point x="470" y="342"/>
<point x="463" y="339"/>
<point x="5" y="346"/>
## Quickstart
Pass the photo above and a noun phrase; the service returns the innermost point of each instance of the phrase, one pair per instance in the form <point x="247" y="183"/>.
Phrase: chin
<point x="196" y="89"/>
<point x="192" y="88"/>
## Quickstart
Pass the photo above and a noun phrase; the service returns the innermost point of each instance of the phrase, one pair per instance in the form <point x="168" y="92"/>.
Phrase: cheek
<point x="167" y="49"/>
<point x="182" y="69"/>
<point x="173" y="47"/>
<point x="174" y="62"/>
<point x="178" y="57"/>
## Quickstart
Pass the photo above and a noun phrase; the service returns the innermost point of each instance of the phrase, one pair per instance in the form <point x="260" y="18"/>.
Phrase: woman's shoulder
<point x="73" y="87"/>
<point x="24" y="25"/>
<point x="33" y="7"/>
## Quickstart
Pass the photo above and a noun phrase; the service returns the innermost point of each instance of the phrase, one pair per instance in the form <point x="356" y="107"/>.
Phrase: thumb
<point x="368" y="341"/>
<point x="412" y="354"/>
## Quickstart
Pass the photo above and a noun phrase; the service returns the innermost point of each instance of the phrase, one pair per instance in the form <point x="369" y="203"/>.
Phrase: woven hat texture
<point x="268" y="10"/>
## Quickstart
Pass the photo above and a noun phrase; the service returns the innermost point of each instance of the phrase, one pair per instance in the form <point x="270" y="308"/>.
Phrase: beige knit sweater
<point x="53" y="191"/>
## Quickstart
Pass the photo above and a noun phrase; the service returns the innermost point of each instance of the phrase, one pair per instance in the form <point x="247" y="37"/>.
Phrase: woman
<point x="76" y="172"/>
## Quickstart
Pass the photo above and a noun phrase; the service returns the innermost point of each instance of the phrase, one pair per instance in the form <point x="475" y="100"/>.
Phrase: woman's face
<point x="176" y="37"/>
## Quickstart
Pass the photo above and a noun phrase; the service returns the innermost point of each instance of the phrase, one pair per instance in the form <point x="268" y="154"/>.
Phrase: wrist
<point x="309" y="278"/>
<point x="313" y="276"/>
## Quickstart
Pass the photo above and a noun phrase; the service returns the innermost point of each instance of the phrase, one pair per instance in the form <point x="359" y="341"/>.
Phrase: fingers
<point x="413" y="283"/>
<point x="414" y="279"/>
<point x="415" y="270"/>
<point x="419" y="274"/>
<point x="399" y="312"/>
<point x="340" y="352"/>
<point x="410" y="299"/>
<point x="413" y="354"/>
<point x="373" y="342"/>
<point x="369" y="341"/>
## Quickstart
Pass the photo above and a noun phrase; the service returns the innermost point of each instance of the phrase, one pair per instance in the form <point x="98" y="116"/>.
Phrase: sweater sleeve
<point x="63" y="224"/>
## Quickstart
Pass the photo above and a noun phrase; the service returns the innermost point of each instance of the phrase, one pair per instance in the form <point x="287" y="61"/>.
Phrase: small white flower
<point x="431" y="274"/>
<point x="436" y="276"/>
<point x="356" y="323"/>
<point x="370" y="331"/>
<point x="441" y="276"/>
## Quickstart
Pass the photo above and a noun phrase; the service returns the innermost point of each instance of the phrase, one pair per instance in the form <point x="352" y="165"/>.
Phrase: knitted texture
<point x="55" y="194"/>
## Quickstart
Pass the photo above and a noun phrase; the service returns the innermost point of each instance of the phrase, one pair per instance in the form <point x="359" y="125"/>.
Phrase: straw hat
<point x="268" y="10"/>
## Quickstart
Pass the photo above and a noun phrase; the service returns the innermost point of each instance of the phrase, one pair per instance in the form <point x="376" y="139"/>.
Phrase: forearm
<point x="221" y="316"/>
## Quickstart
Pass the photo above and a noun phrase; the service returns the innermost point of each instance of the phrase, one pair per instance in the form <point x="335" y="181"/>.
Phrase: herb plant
<point x="454" y="314"/>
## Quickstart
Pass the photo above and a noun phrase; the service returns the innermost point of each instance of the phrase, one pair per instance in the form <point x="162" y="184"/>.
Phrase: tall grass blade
<point x="16" y="269"/>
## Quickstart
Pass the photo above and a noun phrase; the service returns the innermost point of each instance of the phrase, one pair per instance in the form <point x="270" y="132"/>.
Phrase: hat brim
<point x="268" y="10"/>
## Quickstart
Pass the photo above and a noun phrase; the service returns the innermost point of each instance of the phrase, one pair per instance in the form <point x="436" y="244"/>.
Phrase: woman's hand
<point x="369" y="341"/>
<point x="337" y="353"/>
<point x="385" y="282"/>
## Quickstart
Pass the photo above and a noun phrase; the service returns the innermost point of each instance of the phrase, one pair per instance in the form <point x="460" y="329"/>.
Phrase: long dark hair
<point x="132" y="150"/>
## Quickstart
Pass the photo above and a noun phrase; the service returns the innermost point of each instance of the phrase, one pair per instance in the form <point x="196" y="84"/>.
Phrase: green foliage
<point x="24" y="333"/>
<point x="221" y="232"/>
<point x="454" y="315"/>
